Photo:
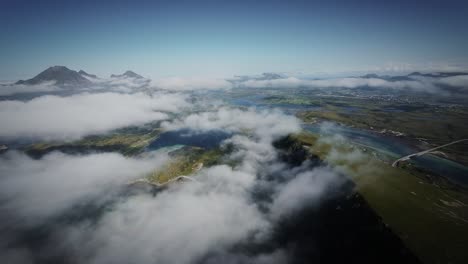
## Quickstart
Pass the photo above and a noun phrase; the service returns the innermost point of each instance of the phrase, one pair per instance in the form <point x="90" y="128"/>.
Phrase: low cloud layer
<point x="121" y="84"/>
<point x="429" y="83"/>
<point x="293" y="82"/>
<point x="72" y="117"/>
<point x="193" y="222"/>
<point x="37" y="189"/>
<point x="10" y="89"/>
<point x="194" y="83"/>
<point x="455" y="81"/>
<point x="269" y="123"/>
<point x="179" y="225"/>
<point x="415" y="83"/>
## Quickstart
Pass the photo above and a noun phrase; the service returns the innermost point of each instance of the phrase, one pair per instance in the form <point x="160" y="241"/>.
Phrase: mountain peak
<point x="58" y="68"/>
<point x="370" y="76"/>
<point x="128" y="74"/>
<point x="61" y="75"/>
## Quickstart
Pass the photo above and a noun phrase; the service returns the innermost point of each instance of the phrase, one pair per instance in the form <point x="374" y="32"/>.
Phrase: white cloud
<point x="53" y="117"/>
<point x="352" y="82"/>
<point x="183" y="223"/>
<point x="460" y="65"/>
<point x="129" y="85"/>
<point x="193" y="83"/>
<point x="262" y="123"/>
<point x="414" y="83"/>
<point x="124" y="84"/>
<point x="455" y="81"/>
<point x="179" y="225"/>
<point x="37" y="189"/>
<point x="305" y="189"/>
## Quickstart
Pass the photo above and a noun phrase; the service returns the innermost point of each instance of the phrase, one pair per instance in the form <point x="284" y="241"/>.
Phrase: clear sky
<point x="223" y="38"/>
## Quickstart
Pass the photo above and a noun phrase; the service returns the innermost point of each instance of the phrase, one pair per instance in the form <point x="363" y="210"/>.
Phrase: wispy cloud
<point x="455" y="81"/>
<point x="72" y="117"/>
<point x="192" y="83"/>
<point x="414" y="83"/>
<point x="38" y="189"/>
<point x="261" y="123"/>
<point x="10" y="89"/>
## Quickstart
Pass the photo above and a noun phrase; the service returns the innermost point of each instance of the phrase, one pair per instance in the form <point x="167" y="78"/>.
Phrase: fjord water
<point x="390" y="147"/>
<point x="206" y="139"/>
<point x="395" y="148"/>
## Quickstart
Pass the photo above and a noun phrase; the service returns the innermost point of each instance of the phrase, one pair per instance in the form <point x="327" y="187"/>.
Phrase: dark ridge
<point x="408" y="77"/>
<point x="342" y="228"/>
<point x="87" y="74"/>
<point x="415" y="74"/>
<point x="437" y="74"/>
<point x="370" y="75"/>
<point x="386" y="77"/>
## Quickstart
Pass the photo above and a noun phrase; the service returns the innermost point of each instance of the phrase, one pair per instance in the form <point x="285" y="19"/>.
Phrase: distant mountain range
<point x="61" y="75"/>
<point x="64" y="77"/>
<point x="267" y="76"/>
<point x="411" y="76"/>
<point x="127" y="74"/>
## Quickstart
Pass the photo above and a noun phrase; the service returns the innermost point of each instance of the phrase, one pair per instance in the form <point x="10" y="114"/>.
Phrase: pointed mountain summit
<point x="370" y="76"/>
<point x="83" y="73"/>
<point x="127" y="74"/>
<point x="61" y="75"/>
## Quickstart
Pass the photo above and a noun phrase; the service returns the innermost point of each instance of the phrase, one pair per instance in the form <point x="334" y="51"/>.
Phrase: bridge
<point x="417" y="154"/>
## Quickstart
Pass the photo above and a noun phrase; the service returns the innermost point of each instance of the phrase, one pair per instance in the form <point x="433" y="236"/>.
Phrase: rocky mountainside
<point x="83" y="73"/>
<point x="61" y="75"/>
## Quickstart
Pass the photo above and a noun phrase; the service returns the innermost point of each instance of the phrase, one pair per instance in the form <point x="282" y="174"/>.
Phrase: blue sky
<point x="224" y="38"/>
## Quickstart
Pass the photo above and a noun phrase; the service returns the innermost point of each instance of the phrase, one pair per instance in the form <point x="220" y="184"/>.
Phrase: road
<point x="146" y="181"/>
<point x="407" y="157"/>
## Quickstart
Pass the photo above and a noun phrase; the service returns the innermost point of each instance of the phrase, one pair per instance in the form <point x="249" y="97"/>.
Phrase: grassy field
<point x="124" y="142"/>
<point x="426" y="125"/>
<point x="185" y="162"/>
<point x="431" y="219"/>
